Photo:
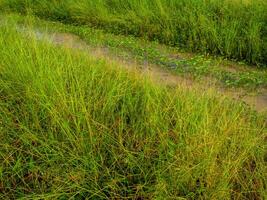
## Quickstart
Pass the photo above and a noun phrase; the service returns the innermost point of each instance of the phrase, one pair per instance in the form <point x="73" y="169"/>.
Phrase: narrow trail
<point x="156" y="73"/>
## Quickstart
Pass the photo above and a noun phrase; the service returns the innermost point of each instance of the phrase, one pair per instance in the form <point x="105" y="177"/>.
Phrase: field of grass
<point x="235" y="29"/>
<point x="192" y="66"/>
<point x="76" y="127"/>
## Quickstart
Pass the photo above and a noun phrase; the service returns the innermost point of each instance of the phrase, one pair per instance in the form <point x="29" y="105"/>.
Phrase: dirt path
<point x="159" y="75"/>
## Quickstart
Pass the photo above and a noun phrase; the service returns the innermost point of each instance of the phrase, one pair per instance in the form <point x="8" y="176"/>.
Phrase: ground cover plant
<point x="72" y="126"/>
<point x="234" y="29"/>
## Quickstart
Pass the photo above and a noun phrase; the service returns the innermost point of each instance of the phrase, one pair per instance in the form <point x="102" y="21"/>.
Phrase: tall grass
<point x="234" y="29"/>
<point x="75" y="127"/>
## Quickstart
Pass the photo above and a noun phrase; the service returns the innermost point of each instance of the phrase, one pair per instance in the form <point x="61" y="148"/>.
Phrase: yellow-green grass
<point x="75" y="127"/>
<point x="234" y="29"/>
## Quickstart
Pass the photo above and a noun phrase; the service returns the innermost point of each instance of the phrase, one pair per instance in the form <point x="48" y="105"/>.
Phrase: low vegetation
<point x="234" y="29"/>
<point x="72" y="126"/>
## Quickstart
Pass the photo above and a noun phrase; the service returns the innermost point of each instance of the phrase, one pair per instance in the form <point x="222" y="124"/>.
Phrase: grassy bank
<point x="234" y="29"/>
<point x="75" y="127"/>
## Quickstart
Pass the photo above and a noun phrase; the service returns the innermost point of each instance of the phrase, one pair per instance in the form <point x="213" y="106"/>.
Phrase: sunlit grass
<point x="76" y="127"/>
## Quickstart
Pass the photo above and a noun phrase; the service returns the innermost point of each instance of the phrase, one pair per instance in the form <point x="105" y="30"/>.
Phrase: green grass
<point x="234" y="29"/>
<point x="73" y="127"/>
<point x="193" y="66"/>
